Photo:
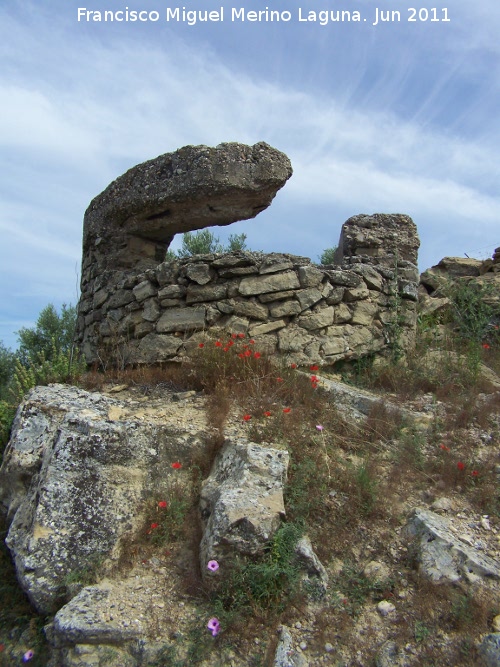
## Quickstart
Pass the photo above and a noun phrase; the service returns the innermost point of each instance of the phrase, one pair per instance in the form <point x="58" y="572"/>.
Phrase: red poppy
<point x="247" y="417"/>
<point x="460" y="465"/>
<point x="474" y="473"/>
<point x="218" y="343"/>
<point x="287" y="409"/>
<point x="201" y="344"/>
<point x="314" y="367"/>
<point x="267" y="413"/>
<point x="279" y="379"/>
<point x="445" y="448"/>
<point x="177" y="465"/>
<point x="162" y="504"/>
<point x="234" y="335"/>
<point x="241" y="355"/>
<point x="226" y="349"/>
<point x="251" y="341"/>
<point x="241" y="335"/>
<point x="486" y="346"/>
<point x="314" y="378"/>
<point x="154" y="525"/>
<point x="2" y="647"/>
<point x="293" y="365"/>
<point x="230" y="343"/>
<point x="247" y="353"/>
<point x="257" y="355"/>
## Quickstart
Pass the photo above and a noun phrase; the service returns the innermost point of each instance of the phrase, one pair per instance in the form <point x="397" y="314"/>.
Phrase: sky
<point x="396" y="116"/>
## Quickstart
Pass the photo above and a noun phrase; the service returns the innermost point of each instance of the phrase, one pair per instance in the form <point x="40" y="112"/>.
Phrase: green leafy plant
<point x="328" y="256"/>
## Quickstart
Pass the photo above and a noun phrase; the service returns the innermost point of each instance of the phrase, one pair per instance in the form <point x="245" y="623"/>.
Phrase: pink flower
<point x="28" y="655"/>
<point x="214" y="626"/>
<point x="319" y="427"/>
<point x="213" y="565"/>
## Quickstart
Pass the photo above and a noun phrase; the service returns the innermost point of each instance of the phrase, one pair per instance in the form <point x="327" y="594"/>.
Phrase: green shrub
<point x="328" y="256"/>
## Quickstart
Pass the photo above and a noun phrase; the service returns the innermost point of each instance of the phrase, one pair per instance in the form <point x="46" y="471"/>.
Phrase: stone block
<point x="310" y="276"/>
<point x="201" y="293"/>
<point x="181" y="319"/>
<point x="144" y="290"/>
<point x="274" y="282"/>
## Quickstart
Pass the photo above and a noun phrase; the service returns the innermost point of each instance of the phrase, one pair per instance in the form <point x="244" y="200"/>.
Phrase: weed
<point x="421" y="632"/>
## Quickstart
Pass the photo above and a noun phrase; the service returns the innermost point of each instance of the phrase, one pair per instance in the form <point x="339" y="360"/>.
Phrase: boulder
<point x="74" y="475"/>
<point x="442" y="556"/>
<point x="242" y="500"/>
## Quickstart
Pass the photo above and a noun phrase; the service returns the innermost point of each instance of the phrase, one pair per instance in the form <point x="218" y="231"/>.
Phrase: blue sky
<point x="399" y="117"/>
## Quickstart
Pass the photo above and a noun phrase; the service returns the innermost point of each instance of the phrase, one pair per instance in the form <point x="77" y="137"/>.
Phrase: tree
<point x="7" y="362"/>
<point x="51" y="333"/>
<point x="328" y="256"/>
<point x="204" y="242"/>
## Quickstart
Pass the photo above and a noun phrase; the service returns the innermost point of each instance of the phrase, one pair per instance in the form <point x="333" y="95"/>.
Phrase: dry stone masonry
<point x="137" y="309"/>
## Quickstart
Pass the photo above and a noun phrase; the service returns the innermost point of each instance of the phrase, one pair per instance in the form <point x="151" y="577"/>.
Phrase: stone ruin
<point x="136" y="308"/>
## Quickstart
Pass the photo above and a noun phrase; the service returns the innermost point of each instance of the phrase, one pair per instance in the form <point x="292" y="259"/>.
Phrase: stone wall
<point x="310" y="313"/>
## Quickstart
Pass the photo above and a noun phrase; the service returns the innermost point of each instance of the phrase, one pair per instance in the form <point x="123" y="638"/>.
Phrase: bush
<point x="204" y="242"/>
<point x="328" y="256"/>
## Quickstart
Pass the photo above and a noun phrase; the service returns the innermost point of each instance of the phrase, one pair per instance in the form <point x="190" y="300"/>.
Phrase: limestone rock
<point x="443" y="557"/>
<point x="242" y="500"/>
<point x="315" y="572"/>
<point x="489" y="650"/>
<point x="195" y="187"/>
<point x="72" y="479"/>
<point x="285" y="655"/>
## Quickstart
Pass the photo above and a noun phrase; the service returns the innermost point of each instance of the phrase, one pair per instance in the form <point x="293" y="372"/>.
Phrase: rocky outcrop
<point x="242" y="501"/>
<point x="75" y="473"/>
<point x="443" y="556"/>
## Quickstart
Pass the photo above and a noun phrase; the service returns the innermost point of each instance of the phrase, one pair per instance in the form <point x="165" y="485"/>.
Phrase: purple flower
<point x="319" y="427"/>
<point x="28" y="655"/>
<point x="214" y="626"/>
<point x="213" y="565"/>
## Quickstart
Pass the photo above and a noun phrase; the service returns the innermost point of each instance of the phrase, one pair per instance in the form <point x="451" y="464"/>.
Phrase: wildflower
<point x="486" y="346"/>
<point x="247" y="353"/>
<point x="279" y="379"/>
<point x="201" y="344"/>
<point x="154" y="526"/>
<point x="241" y="335"/>
<point x="2" y="647"/>
<point x="460" y="465"/>
<point x="314" y="378"/>
<point x="247" y="417"/>
<point x="267" y="413"/>
<point x="293" y="365"/>
<point x="230" y="343"/>
<point x="28" y="655"/>
<point x="218" y="343"/>
<point x="226" y="349"/>
<point x="444" y="448"/>
<point x="475" y="473"/>
<point x="213" y="565"/>
<point x="314" y="367"/>
<point x="233" y="335"/>
<point x="256" y="355"/>
<point x="241" y="355"/>
<point x="176" y="465"/>
<point x="287" y="410"/>
<point x="214" y="626"/>
<point x="162" y="504"/>
<point x="319" y="427"/>
<point x="251" y="341"/>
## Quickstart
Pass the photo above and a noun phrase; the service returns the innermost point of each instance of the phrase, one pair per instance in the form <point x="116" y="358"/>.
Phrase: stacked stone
<point x="309" y="313"/>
